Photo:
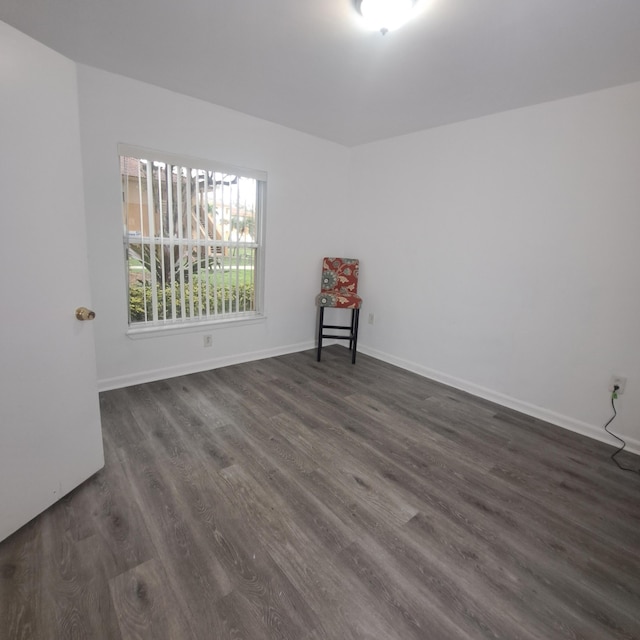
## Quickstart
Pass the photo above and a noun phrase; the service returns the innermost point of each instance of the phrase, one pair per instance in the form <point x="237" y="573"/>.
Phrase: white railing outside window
<point x="193" y="239"/>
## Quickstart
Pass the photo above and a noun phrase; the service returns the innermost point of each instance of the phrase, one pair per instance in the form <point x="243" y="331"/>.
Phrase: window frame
<point x="149" y="328"/>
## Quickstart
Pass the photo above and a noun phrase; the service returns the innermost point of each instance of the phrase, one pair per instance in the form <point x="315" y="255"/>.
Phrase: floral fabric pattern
<point x="339" y="287"/>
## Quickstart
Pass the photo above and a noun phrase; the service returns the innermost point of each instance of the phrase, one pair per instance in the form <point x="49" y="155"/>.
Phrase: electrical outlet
<point x="207" y="341"/>
<point x="371" y="318"/>
<point x="620" y="381"/>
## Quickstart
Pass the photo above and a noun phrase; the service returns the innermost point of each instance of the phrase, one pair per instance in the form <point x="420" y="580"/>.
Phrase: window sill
<point x="139" y="333"/>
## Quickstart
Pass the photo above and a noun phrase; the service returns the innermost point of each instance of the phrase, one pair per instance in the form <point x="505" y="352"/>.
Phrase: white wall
<point x="307" y="196"/>
<point x="499" y="255"/>
<point x="502" y="255"/>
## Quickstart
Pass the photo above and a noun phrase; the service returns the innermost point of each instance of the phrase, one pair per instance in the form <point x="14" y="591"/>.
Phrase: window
<point x="193" y="239"/>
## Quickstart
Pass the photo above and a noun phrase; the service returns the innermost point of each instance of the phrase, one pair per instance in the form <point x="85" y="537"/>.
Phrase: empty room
<point x="320" y="320"/>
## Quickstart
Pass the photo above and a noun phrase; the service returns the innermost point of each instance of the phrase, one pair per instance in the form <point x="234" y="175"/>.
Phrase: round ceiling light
<point x="385" y="15"/>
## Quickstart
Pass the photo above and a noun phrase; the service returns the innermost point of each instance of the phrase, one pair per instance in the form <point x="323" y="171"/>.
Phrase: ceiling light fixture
<point x="385" y="15"/>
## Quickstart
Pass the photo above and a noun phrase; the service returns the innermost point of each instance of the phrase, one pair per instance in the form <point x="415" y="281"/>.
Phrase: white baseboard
<point x="592" y="431"/>
<point x="140" y="377"/>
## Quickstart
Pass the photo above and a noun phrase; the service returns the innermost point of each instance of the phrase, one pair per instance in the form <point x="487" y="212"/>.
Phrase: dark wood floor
<point x="292" y="499"/>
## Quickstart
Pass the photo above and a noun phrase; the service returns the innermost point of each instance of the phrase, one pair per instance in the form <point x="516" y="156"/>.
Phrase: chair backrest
<point x="340" y="274"/>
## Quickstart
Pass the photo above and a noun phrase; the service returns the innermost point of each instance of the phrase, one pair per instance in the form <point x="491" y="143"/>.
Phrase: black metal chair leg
<point x="353" y="317"/>
<point x="352" y="337"/>
<point x="354" y="321"/>
<point x="320" y="324"/>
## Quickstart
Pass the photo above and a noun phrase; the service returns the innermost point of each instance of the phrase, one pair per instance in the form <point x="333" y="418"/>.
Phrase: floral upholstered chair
<point x="339" y="290"/>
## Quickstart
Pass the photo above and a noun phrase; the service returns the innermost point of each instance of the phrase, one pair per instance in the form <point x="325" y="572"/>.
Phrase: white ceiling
<point x="308" y="64"/>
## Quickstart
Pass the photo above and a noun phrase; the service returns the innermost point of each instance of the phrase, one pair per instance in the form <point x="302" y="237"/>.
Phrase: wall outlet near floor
<point x="621" y="381"/>
<point x="371" y="318"/>
<point x="207" y="341"/>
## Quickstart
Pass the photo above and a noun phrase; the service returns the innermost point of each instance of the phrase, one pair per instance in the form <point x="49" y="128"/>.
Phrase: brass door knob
<point x="82" y="313"/>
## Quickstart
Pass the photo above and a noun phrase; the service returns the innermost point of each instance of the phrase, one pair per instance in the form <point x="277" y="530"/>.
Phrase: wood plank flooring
<point x="298" y="500"/>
